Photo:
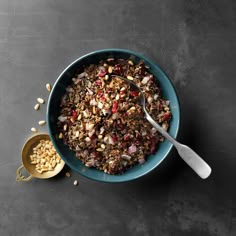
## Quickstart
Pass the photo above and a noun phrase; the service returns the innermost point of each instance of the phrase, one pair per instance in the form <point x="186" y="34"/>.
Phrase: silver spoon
<point x="185" y="152"/>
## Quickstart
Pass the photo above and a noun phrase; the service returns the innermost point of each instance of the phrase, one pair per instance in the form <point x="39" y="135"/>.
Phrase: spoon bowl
<point x="186" y="153"/>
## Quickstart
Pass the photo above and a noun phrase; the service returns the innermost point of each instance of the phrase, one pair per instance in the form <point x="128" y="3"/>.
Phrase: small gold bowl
<point x="27" y="150"/>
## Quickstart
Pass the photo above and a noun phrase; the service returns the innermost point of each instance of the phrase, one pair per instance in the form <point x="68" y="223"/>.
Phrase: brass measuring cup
<point x="27" y="150"/>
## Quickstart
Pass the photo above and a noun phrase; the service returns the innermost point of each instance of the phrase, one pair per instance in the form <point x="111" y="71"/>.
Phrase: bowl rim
<point x="142" y="57"/>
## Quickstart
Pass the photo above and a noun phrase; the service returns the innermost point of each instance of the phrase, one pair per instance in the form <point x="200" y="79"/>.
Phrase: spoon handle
<point x="185" y="152"/>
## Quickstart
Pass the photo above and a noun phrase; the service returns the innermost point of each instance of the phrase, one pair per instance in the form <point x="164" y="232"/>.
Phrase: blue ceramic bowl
<point x="68" y="156"/>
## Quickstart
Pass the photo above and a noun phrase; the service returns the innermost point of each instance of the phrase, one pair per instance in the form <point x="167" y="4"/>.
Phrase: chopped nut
<point x="130" y="77"/>
<point x="79" y="117"/>
<point x="117" y="97"/>
<point x="110" y="69"/>
<point x="75" y="182"/>
<point x="42" y="122"/>
<point x="40" y="100"/>
<point x="77" y="134"/>
<point x="130" y="63"/>
<point x="34" y="129"/>
<point x="60" y="136"/>
<point x="36" y="107"/>
<point x="103" y="146"/>
<point x="48" y="87"/>
<point x="65" y="127"/>
<point x="87" y="139"/>
<point x="106" y="77"/>
<point x="99" y="149"/>
<point x="41" y="159"/>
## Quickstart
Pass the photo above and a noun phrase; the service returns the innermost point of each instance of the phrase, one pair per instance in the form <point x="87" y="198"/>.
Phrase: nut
<point x="40" y="100"/>
<point x="48" y="87"/>
<point x="41" y="159"/>
<point x="36" y="107"/>
<point x="60" y="136"/>
<point x="130" y="77"/>
<point x="42" y="122"/>
<point x="34" y="129"/>
<point x="76" y="182"/>
<point x="110" y="69"/>
<point x="130" y="62"/>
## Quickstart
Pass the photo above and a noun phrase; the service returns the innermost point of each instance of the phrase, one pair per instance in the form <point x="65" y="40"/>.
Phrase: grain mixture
<point x="101" y="118"/>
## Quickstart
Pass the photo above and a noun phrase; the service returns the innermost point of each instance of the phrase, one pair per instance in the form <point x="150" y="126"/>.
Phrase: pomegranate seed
<point x="126" y="137"/>
<point x="114" y="107"/>
<point x="100" y="93"/>
<point x="134" y="93"/>
<point x="166" y="116"/>
<point x="117" y="69"/>
<point x="102" y="73"/>
<point x="74" y="114"/>
<point x="103" y="98"/>
<point x="114" y="138"/>
<point x="98" y="82"/>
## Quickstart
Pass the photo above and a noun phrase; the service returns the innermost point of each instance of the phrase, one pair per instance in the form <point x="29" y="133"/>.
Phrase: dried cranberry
<point x="126" y="137"/>
<point x="114" y="107"/>
<point x="100" y="93"/>
<point x="102" y="73"/>
<point x="74" y="114"/>
<point x="109" y="90"/>
<point x="114" y="138"/>
<point x="98" y="82"/>
<point x="166" y="116"/>
<point x="134" y="93"/>
<point x="117" y="69"/>
<point x="103" y="98"/>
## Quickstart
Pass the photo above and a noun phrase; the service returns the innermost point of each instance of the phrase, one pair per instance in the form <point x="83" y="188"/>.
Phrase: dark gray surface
<point x="194" y="42"/>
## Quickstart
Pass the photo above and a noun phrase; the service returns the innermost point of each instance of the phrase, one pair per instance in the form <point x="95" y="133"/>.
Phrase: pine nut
<point x="36" y="107"/>
<point x="48" y="87"/>
<point x="42" y="122"/>
<point x="34" y="129"/>
<point x="40" y="100"/>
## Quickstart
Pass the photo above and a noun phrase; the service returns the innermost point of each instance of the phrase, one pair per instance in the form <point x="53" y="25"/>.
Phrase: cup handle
<point x="20" y="177"/>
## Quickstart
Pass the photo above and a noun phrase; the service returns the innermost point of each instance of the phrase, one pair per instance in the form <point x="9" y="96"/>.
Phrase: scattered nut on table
<point x="34" y="129"/>
<point x="76" y="182"/>
<point x="36" y="107"/>
<point x="44" y="156"/>
<point x="40" y="100"/>
<point x="42" y="122"/>
<point x="48" y="87"/>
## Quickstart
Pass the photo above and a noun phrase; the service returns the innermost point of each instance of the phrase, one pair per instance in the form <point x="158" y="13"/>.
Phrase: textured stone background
<point x="194" y="43"/>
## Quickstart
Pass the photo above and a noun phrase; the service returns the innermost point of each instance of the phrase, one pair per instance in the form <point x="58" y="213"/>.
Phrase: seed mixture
<point x="44" y="156"/>
<point x="102" y="120"/>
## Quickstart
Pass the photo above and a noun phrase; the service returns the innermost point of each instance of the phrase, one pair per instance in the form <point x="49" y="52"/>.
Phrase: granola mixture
<point x="101" y="118"/>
